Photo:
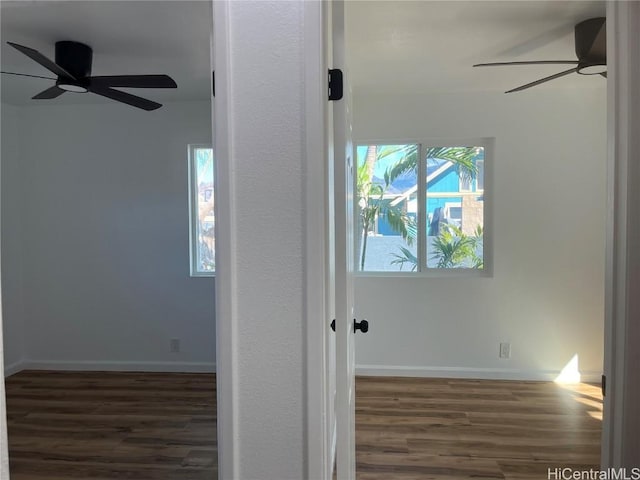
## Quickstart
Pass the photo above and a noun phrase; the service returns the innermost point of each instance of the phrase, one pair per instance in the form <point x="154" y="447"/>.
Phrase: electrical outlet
<point x="174" y="345"/>
<point x="505" y="350"/>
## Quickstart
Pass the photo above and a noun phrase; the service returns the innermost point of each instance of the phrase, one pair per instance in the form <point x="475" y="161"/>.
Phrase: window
<point x="387" y="207"/>
<point x="202" y="216"/>
<point x="480" y="175"/>
<point x="396" y="232"/>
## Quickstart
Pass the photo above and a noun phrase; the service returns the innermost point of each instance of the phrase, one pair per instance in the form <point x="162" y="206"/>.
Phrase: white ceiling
<point x="410" y="46"/>
<point x="127" y="37"/>
<point x="430" y="46"/>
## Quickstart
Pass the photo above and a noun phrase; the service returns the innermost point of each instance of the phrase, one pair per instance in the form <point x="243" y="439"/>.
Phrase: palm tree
<point x="371" y="201"/>
<point x="405" y="256"/>
<point x="452" y="248"/>
<point x="373" y="205"/>
<point x="461" y="157"/>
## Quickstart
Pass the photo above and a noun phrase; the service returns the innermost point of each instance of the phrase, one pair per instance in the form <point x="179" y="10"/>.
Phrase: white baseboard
<point x="118" y="366"/>
<point x="471" y="373"/>
<point x="13" y="368"/>
<point x="364" y="370"/>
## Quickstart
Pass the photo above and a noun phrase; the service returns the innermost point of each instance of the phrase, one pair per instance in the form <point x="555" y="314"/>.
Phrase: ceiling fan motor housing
<point x="75" y="58"/>
<point x="591" y="46"/>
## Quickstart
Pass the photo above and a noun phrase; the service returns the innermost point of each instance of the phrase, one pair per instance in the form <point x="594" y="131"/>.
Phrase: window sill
<point x="202" y="275"/>
<point x="443" y="273"/>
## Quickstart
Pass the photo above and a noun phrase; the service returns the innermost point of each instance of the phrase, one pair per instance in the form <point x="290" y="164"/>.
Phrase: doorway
<point x="534" y="313"/>
<point x="108" y="335"/>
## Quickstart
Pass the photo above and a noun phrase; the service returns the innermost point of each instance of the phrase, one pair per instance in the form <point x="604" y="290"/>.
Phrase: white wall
<point x="103" y="207"/>
<point x="263" y="282"/>
<point x="12" y="302"/>
<point x="546" y="295"/>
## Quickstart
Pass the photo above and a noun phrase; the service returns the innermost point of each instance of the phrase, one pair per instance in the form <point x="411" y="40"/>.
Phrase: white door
<point x="344" y="254"/>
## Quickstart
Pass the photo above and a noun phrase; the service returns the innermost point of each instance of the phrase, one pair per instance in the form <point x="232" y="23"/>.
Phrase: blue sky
<point x="381" y="165"/>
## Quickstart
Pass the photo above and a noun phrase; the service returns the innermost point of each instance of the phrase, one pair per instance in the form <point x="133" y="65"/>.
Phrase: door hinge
<point x="335" y="84"/>
<point x="604" y="385"/>
<point x="213" y="83"/>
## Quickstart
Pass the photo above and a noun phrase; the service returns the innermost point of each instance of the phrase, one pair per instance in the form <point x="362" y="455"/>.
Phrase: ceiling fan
<point x="73" y="70"/>
<point x="591" y="50"/>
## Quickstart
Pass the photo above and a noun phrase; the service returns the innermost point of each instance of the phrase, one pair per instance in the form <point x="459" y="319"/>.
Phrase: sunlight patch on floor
<point x="597" y="414"/>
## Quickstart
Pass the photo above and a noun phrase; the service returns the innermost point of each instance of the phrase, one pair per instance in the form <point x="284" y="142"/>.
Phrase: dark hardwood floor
<point x="151" y="426"/>
<point x="411" y="428"/>
<point x="108" y="425"/>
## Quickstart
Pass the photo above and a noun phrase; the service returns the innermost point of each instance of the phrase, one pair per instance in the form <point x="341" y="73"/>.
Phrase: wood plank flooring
<point x="108" y="425"/>
<point x="151" y="426"/>
<point x="411" y="428"/>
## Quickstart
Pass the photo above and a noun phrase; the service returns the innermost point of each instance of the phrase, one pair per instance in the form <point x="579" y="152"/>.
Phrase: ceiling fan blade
<point x="538" y="62"/>
<point x="123" y="97"/>
<point x="134" y="81"/>
<point x="49" y="93"/>
<point x="27" y="75"/>
<point x="543" y="80"/>
<point x="42" y="60"/>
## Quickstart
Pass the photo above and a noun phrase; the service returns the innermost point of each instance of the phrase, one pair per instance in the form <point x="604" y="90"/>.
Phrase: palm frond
<point x="453" y="249"/>
<point x="399" y="221"/>
<point x="407" y="256"/>
<point x="407" y="163"/>
<point x="462" y="157"/>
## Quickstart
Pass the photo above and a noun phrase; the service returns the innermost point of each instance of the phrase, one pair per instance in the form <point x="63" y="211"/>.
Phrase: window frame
<point x="193" y="203"/>
<point x="488" y="143"/>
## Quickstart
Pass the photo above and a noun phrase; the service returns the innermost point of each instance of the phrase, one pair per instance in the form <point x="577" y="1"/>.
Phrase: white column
<point x="261" y="113"/>
<point x="621" y="433"/>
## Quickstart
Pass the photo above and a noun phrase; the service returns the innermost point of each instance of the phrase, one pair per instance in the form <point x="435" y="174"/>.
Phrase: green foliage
<point x="407" y="257"/>
<point x="455" y="249"/>
<point x="461" y="157"/>
<point x="372" y="203"/>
